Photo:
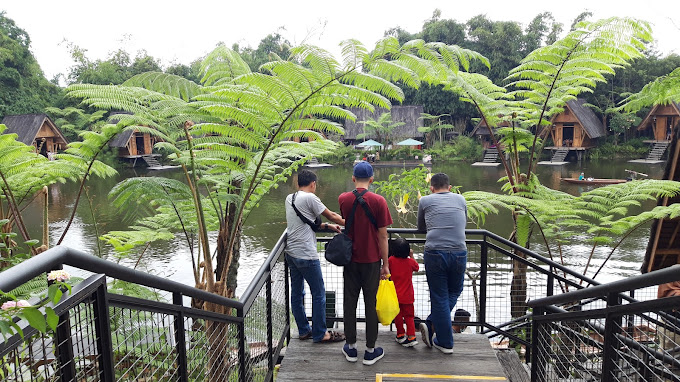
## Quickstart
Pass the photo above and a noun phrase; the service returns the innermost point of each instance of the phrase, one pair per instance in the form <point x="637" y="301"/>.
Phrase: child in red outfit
<point x="402" y="266"/>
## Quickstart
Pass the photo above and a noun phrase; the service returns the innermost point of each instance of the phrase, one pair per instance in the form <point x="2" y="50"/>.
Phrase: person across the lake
<point x="443" y="216"/>
<point x="303" y="258"/>
<point x="369" y="263"/>
<point x="402" y="266"/>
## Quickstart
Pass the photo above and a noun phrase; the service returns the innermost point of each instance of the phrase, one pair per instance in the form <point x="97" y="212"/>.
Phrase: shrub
<point x="460" y="148"/>
<point x="342" y="154"/>
<point x="634" y="148"/>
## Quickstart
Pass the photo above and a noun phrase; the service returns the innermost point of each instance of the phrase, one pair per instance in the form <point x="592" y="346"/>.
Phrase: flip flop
<point x="334" y="337"/>
<point x="306" y="336"/>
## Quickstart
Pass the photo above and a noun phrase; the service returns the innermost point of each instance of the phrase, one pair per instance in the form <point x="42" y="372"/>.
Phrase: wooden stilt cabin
<point x="577" y="126"/>
<point x="660" y="122"/>
<point x="36" y="130"/>
<point x="663" y="249"/>
<point x="132" y="143"/>
<point x="482" y="133"/>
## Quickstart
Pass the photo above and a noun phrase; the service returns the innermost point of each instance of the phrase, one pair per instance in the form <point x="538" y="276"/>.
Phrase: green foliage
<point x="40" y="316"/>
<point x="661" y="91"/>
<point x="270" y="48"/>
<point x="115" y="70"/>
<point x="602" y="217"/>
<point x="24" y="172"/>
<point x="72" y="121"/>
<point x="381" y="128"/>
<point x="402" y="153"/>
<point x="404" y="190"/>
<point x="23" y="87"/>
<point x="342" y="154"/>
<point x="243" y="141"/>
<point x="550" y="76"/>
<point x="632" y="149"/>
<point x="460" y="148"/>
<point x="435" y="127"/>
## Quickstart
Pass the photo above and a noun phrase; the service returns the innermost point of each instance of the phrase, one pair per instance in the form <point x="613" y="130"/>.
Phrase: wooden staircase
<point x="657" y="151"/>
<point x="151" y="161"/>
<point x="559" y="155"/>
<point x="490" y="156"/>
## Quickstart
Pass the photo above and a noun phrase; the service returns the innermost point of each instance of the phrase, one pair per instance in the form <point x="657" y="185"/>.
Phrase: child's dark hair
<point x="400" y="248"/>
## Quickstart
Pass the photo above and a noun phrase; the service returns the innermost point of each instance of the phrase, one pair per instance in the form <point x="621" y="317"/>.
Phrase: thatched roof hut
<point x="36" y="130"/>
<point x="576" y="126"/>
<point x="661" y="119"/>
<point x="131" y="143"/>
<point x="410" y="115"/>
<point x="663" y="249"/>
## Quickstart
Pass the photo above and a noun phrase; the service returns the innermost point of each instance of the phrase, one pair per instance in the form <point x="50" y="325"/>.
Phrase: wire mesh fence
<point x="607" y="338"/>
<point x="161" y="336"/>
<point x="157" y="337"/>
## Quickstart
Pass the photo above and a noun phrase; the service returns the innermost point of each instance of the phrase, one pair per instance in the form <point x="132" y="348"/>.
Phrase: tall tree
<point x="233" y="136"/>
<point x="23" y="87"/>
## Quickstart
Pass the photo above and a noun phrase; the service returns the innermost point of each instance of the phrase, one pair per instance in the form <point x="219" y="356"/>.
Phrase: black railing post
<point x="550" y="287"/>
<point x="242" y="367"/>
<point x="287" y="283"/>
<point x="180" y="338"/>
<point x="612" y="327"/>
<point x="270" y="326"/>
<point x="537" y="367"/>
<point x="64" y="342"/>
<point x="484" y="259"/>
<point x="102" y="327"/>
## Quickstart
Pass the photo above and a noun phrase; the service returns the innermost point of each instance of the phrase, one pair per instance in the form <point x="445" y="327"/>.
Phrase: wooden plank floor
<point x="472" y="356"/>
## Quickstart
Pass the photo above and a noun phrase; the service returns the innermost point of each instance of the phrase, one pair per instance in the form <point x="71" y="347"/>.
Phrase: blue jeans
<point x="302" y="270"/>
<point x="445" y="272"/>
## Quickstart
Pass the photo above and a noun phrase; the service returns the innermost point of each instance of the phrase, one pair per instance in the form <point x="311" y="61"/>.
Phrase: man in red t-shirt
<point x="369" y="262"/>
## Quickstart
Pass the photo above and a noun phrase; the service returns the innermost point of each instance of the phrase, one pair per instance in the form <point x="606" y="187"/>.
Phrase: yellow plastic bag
<point x="387" y="304"/>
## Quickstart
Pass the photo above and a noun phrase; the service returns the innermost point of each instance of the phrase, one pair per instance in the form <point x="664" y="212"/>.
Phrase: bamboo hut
<point x="663" y="249"/>
<point x="659" y="123"/>
<point x="410" y="115"/>
<point x="36" y="130"/>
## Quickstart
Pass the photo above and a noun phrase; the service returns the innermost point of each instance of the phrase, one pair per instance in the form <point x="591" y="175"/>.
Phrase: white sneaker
<point x="441" y="348"/>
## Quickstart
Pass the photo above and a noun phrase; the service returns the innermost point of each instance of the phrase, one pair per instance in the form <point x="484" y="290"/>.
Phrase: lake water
<point x="266" y="223"/>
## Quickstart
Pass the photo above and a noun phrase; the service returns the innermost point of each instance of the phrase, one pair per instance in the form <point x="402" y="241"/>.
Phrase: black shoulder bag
<point x="317" y="222"/>
<point x="339" y="249"/>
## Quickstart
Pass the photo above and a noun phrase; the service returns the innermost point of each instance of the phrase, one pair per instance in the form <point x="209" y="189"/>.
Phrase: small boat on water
<point x="590" y="181"/>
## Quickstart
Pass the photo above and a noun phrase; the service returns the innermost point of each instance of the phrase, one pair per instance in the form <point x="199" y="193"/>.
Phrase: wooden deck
<point x="473" y="360"/>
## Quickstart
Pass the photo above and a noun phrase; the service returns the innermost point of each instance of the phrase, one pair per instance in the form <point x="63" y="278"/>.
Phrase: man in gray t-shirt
<point x="443" y="215"/>
<point x="303" y="259"/>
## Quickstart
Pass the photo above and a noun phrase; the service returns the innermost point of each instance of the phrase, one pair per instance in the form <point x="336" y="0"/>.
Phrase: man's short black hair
<point x="440" y="181"/>
<point x="305" y="178"/>
<point x="400" y="248"/>
<point x="460" y="313"/>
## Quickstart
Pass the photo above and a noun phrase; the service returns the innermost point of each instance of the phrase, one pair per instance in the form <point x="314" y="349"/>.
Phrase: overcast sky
<point x="180" y="32"/>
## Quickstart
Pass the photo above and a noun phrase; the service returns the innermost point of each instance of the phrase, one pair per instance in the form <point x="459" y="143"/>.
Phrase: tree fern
<point x="661" y="91"/>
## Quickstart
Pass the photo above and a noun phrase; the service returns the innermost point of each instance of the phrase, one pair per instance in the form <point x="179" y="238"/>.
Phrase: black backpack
<point x="339" y="248"/>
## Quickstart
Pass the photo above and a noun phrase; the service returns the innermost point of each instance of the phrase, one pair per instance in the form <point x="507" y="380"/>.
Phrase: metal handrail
<point x="637" y="282"/>
<point x="249" y="295"/>
<point x="59" y="256"/>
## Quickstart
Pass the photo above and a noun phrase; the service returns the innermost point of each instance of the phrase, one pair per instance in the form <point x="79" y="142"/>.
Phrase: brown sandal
<point x="306" y="336"/>
<point x="333" y="337"/>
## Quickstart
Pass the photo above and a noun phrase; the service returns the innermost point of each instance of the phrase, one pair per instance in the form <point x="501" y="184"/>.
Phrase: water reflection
<point x="267" y="221"/>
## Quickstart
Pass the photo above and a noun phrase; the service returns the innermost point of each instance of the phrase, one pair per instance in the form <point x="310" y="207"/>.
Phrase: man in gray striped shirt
<point x="443" y="215"/>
